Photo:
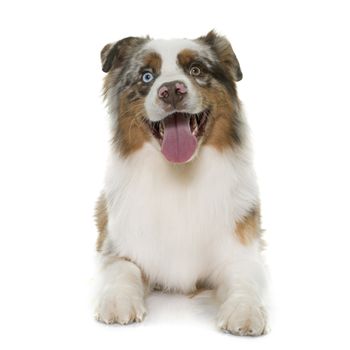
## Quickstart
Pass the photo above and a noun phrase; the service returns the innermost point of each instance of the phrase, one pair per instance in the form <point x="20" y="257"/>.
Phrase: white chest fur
<point x="177" y="221"/>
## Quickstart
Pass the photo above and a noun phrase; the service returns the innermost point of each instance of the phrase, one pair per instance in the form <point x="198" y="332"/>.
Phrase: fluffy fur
<point x="178" y="226"/>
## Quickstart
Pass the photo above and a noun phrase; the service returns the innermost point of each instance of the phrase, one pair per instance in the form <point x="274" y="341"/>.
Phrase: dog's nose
<point x="172" y="92"/>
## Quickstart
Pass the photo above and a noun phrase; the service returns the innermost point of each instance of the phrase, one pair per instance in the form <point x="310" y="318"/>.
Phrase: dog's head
<point x="176" y="94"/>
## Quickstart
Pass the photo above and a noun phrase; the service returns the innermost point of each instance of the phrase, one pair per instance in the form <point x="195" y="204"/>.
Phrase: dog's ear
<point x="222" y="47"/>
<point x="115" y="54"/>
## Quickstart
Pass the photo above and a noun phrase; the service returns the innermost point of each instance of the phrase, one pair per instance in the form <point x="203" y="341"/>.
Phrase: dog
<point x="180" y="207"/>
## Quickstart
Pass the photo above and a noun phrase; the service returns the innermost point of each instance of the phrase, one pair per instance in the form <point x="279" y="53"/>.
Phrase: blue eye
<point x="147" y="77"/>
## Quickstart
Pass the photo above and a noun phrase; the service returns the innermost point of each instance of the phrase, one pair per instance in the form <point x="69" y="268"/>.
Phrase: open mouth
<point x="178" y="134"/>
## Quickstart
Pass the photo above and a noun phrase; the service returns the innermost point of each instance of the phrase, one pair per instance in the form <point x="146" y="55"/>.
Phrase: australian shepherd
<point x="180" y="206"/>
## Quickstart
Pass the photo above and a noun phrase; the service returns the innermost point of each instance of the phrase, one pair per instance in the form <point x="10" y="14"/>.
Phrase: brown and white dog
<point x="180" y="206"/>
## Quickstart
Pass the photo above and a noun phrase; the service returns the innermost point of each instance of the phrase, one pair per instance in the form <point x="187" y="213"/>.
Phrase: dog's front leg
<point x="121" y="292"/>
<point x="240" y="290"/>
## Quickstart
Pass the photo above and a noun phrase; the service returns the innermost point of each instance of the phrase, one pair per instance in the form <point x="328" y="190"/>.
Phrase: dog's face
<point x="176" y="94"/>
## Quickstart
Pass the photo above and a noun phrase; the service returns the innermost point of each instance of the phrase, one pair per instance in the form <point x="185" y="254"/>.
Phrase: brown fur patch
<point x="248" y="229"/>
<point x="217" y="88"/>
<point x="153" y="60"/>
<point x="186" y="57"/>
<point x="132" y="131"/>
<point x="224" y="126"/>
<point x="101" y="217"/>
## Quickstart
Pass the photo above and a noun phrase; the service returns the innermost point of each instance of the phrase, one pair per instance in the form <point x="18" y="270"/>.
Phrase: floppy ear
<point x="222" y="47"/>
<point x="114" y="55"/>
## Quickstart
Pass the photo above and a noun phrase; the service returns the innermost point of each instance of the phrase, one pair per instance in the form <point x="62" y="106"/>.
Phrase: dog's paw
<point x="243" y="317"/>
<point x="122" y="309"/>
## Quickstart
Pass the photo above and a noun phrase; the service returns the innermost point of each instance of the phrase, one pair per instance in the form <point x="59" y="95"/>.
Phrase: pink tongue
<point x="178" y="144"/>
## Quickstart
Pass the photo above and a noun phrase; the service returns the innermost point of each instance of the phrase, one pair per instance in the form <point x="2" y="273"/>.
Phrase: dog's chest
<point x="174" y="221"/>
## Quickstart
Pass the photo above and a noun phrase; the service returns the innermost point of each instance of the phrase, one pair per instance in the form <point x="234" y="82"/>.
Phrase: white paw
<point x="120" y="308"/>
<point x="243" y="316"/>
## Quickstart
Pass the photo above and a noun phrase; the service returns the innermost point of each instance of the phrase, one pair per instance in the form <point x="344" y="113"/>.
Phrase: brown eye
<point x="195" y="71"/>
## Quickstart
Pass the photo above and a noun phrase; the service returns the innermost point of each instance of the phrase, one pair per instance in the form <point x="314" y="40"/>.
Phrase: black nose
<point x="172" y="93"/>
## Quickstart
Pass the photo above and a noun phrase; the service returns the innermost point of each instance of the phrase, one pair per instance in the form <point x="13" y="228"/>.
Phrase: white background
<point x="295" y="59"/>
